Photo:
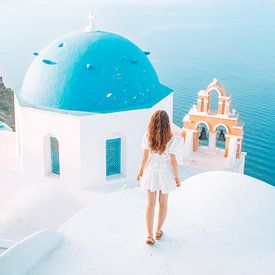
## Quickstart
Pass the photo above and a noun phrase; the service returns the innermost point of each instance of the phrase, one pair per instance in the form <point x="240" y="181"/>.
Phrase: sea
<point x="191" y="42"/>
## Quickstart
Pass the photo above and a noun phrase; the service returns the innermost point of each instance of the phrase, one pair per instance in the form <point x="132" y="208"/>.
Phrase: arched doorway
<point x="220" y="136"/>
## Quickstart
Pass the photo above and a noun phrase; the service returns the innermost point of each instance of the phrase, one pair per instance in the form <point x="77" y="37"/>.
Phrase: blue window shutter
<point x="113" y="156"/>
<point x="55" y="167"/>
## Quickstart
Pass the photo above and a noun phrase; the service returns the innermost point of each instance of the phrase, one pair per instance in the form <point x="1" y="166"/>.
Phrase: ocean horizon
<point x="189" y="45"/>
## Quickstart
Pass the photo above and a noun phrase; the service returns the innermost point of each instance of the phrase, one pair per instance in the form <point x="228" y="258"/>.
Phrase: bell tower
<point x="203" y="102"/>
<point x="208" y="133"/>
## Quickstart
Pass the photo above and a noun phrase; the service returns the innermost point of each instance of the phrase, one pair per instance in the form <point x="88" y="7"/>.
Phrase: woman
<point x="159" y="169"/>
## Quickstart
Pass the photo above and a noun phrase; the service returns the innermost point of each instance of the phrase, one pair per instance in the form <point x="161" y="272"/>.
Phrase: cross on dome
<point x="91" y="26"/>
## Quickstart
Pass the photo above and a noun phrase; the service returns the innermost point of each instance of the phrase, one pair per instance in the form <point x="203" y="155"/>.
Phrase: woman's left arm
<point x="143" y="162"/>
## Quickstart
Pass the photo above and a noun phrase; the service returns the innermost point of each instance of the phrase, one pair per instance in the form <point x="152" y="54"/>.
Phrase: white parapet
<point x="188" y="145"/>
<point x="177" y="132"/>
<point x="23" y="255"/>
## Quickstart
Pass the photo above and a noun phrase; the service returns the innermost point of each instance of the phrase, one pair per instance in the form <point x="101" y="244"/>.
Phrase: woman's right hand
<point x="139" y="175"/>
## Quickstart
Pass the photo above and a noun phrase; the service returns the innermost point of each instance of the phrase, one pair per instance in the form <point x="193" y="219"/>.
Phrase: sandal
<point x="150" y="240"/>
<point x="159" y="235"/>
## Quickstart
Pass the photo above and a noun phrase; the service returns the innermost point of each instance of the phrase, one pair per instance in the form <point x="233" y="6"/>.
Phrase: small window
<point x="55" y="167"/>
<point x="113" y="156"/>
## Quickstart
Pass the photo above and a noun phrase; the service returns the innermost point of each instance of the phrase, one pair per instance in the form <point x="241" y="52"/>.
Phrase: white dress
<point x="157" y="173"/>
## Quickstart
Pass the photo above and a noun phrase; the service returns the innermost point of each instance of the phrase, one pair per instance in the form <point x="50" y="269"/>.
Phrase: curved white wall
<point x="21" y="257"/>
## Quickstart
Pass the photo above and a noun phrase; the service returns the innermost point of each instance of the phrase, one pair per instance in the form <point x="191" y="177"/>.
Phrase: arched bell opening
<point x="221" y="136"/>
<point x="203" y="134"/>
<point x="214" y="101"/>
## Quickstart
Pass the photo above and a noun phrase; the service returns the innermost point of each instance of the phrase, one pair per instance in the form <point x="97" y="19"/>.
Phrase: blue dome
<point x="94" y="71"/>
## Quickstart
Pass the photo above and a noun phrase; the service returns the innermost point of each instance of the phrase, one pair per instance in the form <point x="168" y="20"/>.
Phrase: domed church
<point x="85" y="103"/>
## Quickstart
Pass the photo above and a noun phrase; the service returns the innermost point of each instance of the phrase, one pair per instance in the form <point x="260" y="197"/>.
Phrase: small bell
<point x="221" y="136"/>
<point x="203" y="134"/>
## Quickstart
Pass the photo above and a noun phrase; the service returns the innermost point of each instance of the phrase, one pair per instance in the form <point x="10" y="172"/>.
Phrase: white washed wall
<point x="35" y="126"/>
<point x="82" y="141"/>
<point x="131" y="125"/>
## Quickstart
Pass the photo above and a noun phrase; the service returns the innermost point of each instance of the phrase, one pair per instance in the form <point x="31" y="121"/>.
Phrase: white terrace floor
<point x="218" y="223"/>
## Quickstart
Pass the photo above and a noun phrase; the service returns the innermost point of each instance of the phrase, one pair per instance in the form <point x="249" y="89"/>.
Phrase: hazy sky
<point x="193" y="5"/>
<point x="267" y="3"/>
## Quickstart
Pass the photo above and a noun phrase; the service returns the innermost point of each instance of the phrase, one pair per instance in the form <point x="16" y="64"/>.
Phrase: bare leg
<point x="150" y="210"/>
<point x="163" y="198"/>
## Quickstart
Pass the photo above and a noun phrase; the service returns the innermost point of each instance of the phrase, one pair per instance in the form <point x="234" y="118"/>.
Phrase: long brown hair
<point x="159" y="131"/>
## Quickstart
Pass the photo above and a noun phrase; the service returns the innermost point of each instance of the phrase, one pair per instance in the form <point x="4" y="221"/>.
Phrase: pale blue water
<point x="189" y="46"/>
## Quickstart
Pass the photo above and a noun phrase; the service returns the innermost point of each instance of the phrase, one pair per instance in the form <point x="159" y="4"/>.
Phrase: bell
<point x="221" y="136"/>
<point x="203" y="134"/>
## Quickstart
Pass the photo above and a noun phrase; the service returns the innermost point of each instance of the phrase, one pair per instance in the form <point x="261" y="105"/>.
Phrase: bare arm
<point x="174" y="165"/>
<point x="143" y="162"/>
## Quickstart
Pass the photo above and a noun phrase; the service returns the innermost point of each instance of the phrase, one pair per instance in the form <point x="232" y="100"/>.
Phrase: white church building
<point x="85" y="103"/>
<point x="84" y="106"/>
